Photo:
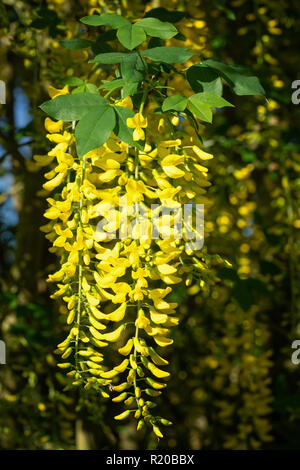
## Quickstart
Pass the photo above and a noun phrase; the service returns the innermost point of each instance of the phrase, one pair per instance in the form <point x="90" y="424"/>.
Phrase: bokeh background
<point x="233" y="384"/>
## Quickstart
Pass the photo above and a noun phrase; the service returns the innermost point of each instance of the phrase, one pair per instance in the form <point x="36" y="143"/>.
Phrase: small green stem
<point x="136" y="164"/>
<point x="144" y="97"/>
<point x="109" y="93"/>
<point x="80" y="269"/>
<point x="135" y="357"/>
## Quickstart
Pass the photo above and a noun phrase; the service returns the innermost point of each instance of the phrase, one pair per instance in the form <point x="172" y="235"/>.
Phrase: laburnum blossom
<point x="137" y="122"/>
<point x="117" y="287"/>
<point x="53" y="92"/>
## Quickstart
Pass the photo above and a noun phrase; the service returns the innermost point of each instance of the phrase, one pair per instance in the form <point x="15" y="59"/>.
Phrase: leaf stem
<point x="80" y="267"/>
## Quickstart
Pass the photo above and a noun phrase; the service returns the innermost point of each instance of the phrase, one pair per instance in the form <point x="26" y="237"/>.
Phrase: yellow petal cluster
<point x="117" y="284"/>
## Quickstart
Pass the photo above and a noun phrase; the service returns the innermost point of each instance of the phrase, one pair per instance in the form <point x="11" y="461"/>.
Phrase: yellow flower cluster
<point x="118" y="289"/>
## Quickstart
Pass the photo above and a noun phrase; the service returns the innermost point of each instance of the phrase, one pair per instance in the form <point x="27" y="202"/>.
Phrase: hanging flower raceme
<point x="113" y="287"/>
<point x="126" y="220"/>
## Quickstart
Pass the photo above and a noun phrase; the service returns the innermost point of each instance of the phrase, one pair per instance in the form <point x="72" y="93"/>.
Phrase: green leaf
<point x="79" y="89"/>
<point x="131" y="36"/>
<point x="240" y="83"/>
<point x="169" y="55"/>
<point x="91" y="88"/>
<point x="72" y="107"/>
<point x="112" y="84"/>
<point x="204" y="79"/>
<point x="94" y="129"/>
<point x="130" y="89"/>
<point x="210" y="99"/>
<point x="72" y="81"/>
<point x="109" y="58"/>
<point x="165" y="15"/>
<point x="75" y="43"/>
<point x="121" y="129"/>
<point x="107" y="19"/>
<point x="86" y="87"/>
<point x="47" y="14"/>
<point x="133" y="67"/>
<point x="156" y="28"/>
<point x="48" y="19"/>
<point x="194" y="123"/>
<point x="176" y="102"/>
<point x="248" y="86"/>
<point x="202" y="111"/>
<point x="201" y="103"/>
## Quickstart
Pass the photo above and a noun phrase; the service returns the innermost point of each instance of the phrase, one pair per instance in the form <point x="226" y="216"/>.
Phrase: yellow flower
<point x="59" y="138"/>
<point x="201" y="154"/>
<point x="137" y="123"/>
<point x="53" y="183"/>
<point x="157" y="296"/>
<point x="142" y="321"/>
<point x="126" y="103"/>
<point x="62" y="235"/>
<point x="134" y="272"/>
<point x="135" y="190"/>
<point x="43" y="160"/>
<point x="169" y="165"/>
<point x="41" y="406"/>
<point x="53" y="126"/>
<point x="53" y="92"/>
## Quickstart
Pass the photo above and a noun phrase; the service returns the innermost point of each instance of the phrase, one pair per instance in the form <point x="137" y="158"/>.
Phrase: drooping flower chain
<point x="116" y="289"/>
